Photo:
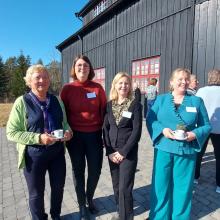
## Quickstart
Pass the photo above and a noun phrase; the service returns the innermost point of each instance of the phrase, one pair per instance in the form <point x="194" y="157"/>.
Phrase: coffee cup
<point x="179" y="134"/>
<point x="57" y="133"/>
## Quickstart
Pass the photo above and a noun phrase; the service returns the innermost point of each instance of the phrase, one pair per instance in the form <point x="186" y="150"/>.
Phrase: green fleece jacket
<point x="16" y="129"/>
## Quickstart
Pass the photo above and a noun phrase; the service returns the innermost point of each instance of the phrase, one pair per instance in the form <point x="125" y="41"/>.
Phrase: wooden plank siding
<point x="206" y="45"/>
<point x="147" y="28"/>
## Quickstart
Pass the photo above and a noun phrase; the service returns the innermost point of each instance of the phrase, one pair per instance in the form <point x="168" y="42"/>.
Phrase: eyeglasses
<point x="82" y="65"/>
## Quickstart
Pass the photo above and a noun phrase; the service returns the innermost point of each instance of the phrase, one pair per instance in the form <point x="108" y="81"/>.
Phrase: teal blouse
<point x="192" y="113"/>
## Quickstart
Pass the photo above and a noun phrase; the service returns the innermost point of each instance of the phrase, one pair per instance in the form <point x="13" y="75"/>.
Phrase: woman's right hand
<point x="113" y="158"/>
<point x="47" y="139"/>
<point x="168" y="133"/>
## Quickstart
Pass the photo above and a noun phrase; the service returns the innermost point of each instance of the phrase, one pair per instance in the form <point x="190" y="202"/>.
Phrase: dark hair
<point x="153" y="81"/>
<point x="86" y="59"/>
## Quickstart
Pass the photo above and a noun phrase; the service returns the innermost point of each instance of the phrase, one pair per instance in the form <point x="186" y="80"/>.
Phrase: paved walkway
<point x="14" y="196"/>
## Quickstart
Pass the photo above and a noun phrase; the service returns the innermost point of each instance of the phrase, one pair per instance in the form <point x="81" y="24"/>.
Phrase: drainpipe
<point x="80" y="38"/>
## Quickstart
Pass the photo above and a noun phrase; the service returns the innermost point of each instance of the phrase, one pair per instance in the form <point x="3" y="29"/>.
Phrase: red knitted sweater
<point x="85" y="105"/>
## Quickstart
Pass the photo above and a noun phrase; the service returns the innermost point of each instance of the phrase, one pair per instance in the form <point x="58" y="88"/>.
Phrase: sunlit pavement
<point x="14" y="196"/>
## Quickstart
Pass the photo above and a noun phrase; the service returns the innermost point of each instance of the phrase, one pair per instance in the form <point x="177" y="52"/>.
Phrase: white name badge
<point x="126" y="114"/>
<point x="191" y="109"/>
<point x="91" y="95"/>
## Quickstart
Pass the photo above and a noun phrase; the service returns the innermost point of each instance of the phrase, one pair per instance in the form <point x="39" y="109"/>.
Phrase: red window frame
<point x="145" y="69"/>
<point x="100" y="76"/>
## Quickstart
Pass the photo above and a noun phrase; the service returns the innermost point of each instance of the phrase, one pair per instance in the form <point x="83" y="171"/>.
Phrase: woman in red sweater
<point x="85" y="103"/>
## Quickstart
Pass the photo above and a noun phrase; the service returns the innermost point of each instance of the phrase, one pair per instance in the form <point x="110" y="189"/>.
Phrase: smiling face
<point x="123" y="87"/>
<point x="82" y="70"/>
<point x="39" y="83"/>
<point x="180" y="82"/>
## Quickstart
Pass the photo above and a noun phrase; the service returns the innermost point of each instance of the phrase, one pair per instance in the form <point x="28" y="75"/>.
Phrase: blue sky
<point x="37" y="26"/>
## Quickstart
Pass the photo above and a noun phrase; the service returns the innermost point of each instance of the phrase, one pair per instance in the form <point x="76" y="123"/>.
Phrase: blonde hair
<point x="113" y="93"/>
<point x="33" y="69"/>
<point x="176" y="72"/>
<point x="214" y="77"/>
<point x="193" y="76"/>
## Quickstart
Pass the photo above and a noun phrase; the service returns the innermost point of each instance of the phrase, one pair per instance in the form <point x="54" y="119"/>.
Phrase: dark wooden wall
<point x="147" y="28"/>
<point x="206" y="47"/>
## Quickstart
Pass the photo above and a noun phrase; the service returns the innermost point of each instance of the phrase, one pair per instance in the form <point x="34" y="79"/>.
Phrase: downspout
<point x="79" y="37"/>
<point x="193" y="30"/>
<point x="115" y="48"/>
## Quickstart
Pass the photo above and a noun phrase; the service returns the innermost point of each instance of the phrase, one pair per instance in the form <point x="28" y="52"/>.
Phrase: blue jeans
<point x="149" y="105"/>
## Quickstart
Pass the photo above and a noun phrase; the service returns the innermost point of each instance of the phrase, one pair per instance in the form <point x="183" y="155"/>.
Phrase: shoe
<point x="92" y="208"/>
<point x="196" y="181"/>
<point x="83" y="213"/>
<point x="218" y="189"/>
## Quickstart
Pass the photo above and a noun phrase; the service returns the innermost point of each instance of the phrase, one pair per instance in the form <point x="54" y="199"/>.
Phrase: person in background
<point x="122" y="131"/>
<point x="175" y="156"/>
<point x="32" y="119"/>
<point x="211" y="97"/>
<point x="151" y="94"/>
<point x="193" y="85"/>
<point x="85" y="104"/>
<point x="137" y="91"/>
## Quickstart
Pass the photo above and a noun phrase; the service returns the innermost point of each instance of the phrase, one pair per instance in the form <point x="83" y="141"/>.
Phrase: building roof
<point x="90" y="24"/>
<point x="87" y="7"/>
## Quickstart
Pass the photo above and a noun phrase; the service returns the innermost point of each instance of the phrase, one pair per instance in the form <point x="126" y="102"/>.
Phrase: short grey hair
<point x="32" y="69"/>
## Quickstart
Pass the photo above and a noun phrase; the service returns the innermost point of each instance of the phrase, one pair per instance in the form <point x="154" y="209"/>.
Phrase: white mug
<point x="58" y="133"/>
<point x="179" y="134"/>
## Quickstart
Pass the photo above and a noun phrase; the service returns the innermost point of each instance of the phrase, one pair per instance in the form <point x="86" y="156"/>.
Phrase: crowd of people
<point x="180" y="124"/>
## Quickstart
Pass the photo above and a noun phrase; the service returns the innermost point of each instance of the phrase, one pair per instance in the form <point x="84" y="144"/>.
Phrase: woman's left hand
<point x="190" y="136"/>
<point x="67" y="135"/>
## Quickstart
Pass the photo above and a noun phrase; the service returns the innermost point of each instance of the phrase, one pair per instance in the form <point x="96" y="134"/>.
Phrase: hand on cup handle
<point x="47" y="139"/>
<point x="67" y="135"/>
<point x="168" y="133"/>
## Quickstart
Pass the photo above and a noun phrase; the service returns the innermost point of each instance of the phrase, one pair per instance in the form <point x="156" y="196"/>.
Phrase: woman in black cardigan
<point x="122" y="132"/>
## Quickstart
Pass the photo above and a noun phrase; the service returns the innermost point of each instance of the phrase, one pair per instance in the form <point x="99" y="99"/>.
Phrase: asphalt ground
<point x="14" y="195"/>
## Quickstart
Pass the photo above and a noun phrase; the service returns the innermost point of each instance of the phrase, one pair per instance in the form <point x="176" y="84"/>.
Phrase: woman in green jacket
<point x="32" y="121"/>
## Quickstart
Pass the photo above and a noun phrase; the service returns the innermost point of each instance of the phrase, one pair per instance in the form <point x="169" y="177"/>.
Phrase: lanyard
<point x="44" y="109"/>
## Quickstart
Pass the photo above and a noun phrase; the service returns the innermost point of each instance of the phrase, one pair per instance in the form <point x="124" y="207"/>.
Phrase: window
<point x="100" y="8"/>
<point x="100" y="76"/>
<point x="145" y="69"/>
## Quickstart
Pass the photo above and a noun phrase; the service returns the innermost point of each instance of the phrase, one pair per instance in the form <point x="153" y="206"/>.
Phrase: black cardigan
<point x="125" y="136"/>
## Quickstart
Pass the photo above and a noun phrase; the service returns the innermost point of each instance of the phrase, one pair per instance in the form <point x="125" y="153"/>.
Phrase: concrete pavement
<point x="14" y="195"/>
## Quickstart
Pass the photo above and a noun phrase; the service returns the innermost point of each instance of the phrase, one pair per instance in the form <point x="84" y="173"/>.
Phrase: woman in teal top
<point x="174" y="159"/>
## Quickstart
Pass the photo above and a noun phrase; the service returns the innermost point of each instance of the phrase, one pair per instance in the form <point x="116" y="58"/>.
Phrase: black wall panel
<point x="148" y="28"/>
<point x="206" y="45"/>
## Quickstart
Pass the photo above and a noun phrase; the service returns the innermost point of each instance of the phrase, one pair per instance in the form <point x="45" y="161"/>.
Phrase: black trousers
<point x="86" y="147"/>
<point x="123" y="181"/>
<point x="215" y="138"/>
<point x="39" y="160"/>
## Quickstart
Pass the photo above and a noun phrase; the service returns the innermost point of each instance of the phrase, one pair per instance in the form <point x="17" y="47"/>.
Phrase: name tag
<point x="126" y="114"/>
<point x="191" y="109"/>
<point x="91" y="95"/>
